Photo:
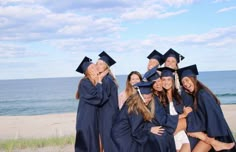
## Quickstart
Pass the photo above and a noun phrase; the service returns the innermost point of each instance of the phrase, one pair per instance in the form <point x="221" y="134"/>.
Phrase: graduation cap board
<point x="156" y="55"/>
<point x="188" y="71"/>
<point x="166" y="72"/>
<point x="106" y="58"/>
<point x="172" y="53"/>
<point x="144" y="87"/>
<point x="151" y="75"/>
<point x="84" y="65"/>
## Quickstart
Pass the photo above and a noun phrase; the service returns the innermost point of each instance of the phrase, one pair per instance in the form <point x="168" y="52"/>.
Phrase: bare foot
<point x="218" y="146"/>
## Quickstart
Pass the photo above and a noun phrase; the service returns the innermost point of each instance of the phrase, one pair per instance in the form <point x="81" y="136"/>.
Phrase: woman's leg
<point x="185" y="148"/>
<point x="202" y="147"/>
<point x="217" y="145"/>
<point x="100" y="144"/>
<point x="182" y="124"/>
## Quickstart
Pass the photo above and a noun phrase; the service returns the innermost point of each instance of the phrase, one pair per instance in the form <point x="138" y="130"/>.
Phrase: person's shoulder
<point x="85" y="81"/>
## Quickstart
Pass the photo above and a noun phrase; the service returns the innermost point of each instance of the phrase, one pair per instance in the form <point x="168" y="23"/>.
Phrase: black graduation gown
<point x="107" y="113"/>
<point x="209" y="118"/>
<point x="129" y="131"/>
<point x="191" y="119"/>
<point x="87" y="120"/>
<point x="165" y="142"/>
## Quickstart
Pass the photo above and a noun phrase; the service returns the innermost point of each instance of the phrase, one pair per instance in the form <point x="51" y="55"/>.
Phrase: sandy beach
<point x="40" y="126"/>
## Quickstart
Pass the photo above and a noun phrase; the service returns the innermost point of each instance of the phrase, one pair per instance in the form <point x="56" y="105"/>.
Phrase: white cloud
<point x="149" y="10"/>
<point x="17" y="51"/>
<point x="226" y="9"/>
<point x="220" y="1"/>
<point x="178" y="2"/>
<point x="220" y="37"/>
<point x="37" y="23"/>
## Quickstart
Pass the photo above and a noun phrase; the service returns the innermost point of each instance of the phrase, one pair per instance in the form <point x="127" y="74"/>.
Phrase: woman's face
<point x="147" y="98"/>
<point x="152" y="63"/>
<point x="101" y="66"/>
<point x="92" y="70"/>
<point x="188" y="84"/>
<point x="171" y="62"/>
<point x="167" y="82"/>
<point x="134" y="79"/>
<point x="158" y="85"/>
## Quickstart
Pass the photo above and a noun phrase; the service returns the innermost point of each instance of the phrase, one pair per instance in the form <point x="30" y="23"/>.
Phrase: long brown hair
<point x="199" y="86"/>
<point x="88" y="76"/>
<point x="175" y="95"/>
<point x="129" y="90"/>
<point x="135" y="104"/>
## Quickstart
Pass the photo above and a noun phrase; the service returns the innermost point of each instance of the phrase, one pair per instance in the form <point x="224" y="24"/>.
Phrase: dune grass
<point x="10" y="145"/>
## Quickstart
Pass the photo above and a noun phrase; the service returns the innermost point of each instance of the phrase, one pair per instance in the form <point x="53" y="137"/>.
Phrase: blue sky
<point x="49" y="38"/>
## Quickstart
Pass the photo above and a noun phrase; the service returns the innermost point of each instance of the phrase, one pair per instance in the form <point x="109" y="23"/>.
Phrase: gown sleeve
<point x="91" y="94"/>
<point x="139" y="129"/>
<point x="211" y="115"/>
<point x="164" y="119"/>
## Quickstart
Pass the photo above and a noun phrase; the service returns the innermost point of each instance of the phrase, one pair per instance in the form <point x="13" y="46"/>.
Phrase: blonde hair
<point x="135" y="104"/>
<point x="111" y="74"/>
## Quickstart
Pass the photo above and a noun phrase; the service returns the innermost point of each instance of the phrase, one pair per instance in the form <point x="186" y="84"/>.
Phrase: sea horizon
<point x="82" y="75"/>
<point x="37" y="96"/>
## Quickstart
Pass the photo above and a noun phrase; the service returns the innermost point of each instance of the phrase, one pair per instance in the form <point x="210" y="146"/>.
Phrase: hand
<point x="158" y="130"/>
<point x="187" y="110"/>
<point x="102" y="74"/>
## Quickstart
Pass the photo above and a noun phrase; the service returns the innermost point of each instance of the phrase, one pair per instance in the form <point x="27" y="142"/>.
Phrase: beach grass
<point x="11" y="144"/>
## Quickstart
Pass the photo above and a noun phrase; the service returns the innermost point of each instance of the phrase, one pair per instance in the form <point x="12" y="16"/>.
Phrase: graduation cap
<point x="84" y="65"/>
<point x="106" y="58"/>
<point x="151" y="75"/>
<point x="188" y="71"/>
<point x="144" y="87"/>
<point x="156" y="55"/>
<point x="172" y="53"/>
<point x="166" y="72"/>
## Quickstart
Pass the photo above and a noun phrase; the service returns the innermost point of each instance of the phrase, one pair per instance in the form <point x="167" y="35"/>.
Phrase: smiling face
<point x="152" y="63"/>
<point x="171" y="62"/>
<point x="134" y="78"/>
<point x="188" y="84"/>
<point x="158" y="85"/>
<point x="167" y="82"/>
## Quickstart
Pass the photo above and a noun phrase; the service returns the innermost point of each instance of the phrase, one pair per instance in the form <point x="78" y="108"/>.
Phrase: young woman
<point x="131" y="128"/>
<point x="207" y="117"/>
<point x="155" y="59"/>
<point x="164" y="142"/>
<point x="174" y="106"/>
<point x="133" y="78"/>
<point x="110" y="108"/>
<point x="171" y="60"/>
<point x="90" y="94"/>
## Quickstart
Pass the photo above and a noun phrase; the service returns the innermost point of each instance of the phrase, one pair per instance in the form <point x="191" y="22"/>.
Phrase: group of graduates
<point x="166" y="110"/>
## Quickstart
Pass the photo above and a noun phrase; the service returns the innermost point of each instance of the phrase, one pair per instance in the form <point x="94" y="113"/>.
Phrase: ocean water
<point x="56" y="95"/>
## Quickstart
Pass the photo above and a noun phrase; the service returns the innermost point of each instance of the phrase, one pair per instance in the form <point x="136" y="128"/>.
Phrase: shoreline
<point x="63" y="124"/>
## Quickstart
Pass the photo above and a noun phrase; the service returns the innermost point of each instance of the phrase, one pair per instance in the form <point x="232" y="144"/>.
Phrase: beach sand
<point x="40" y="126"/>
<point x="43" y="126"/>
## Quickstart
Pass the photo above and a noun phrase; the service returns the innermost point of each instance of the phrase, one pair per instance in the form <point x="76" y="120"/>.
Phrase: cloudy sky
<point x="49" y="38"/>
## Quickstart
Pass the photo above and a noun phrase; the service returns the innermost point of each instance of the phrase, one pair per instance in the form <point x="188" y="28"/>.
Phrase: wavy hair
<point x="135" y="104"/>
<point x="197" y="87"/>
